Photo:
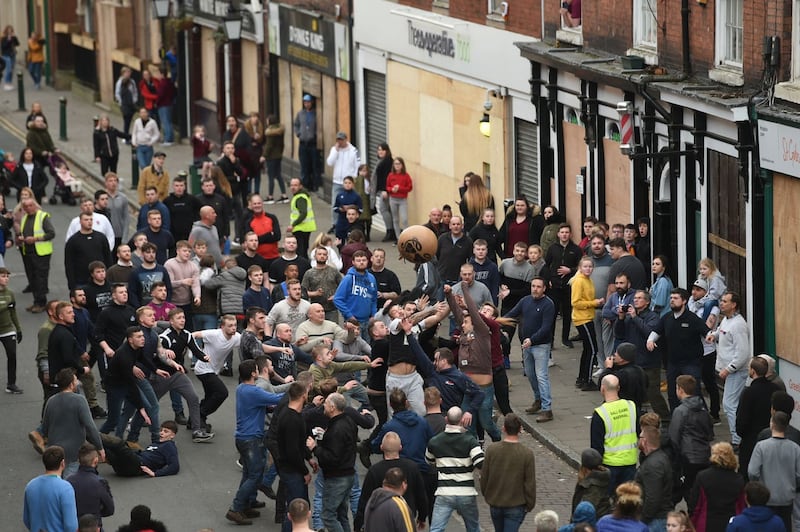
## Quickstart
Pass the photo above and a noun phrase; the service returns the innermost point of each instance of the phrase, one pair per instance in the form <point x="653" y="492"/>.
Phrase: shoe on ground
<point x="545" y="416"/>
<point x="551" y="362"/>
<point x="27" y="290"/>
<point x="575" y="338"/>
<point x="37" y="440"/>
<point x="598" y="372"/>
<point x="579" y="383"/>
<point x="13" y="388"/>
<point x="98" y="412"/>
<point x="716" y="420"/>
<point x="134" y="445"/>
<point x="256" y="505"/>
<point x="180" y="419"/>
<point x="535" y="408"/>
<point x="285" y="199"/>
<point x="270" y="201"/>
<point x="267" y="491"/>
<point x="568" y="344"/>
<point x="589" y="386"/>
<point x="37" y="309"/>
<point x="364" y="453"/>
<point x="201" y="436"/>
<point x="238" y="517"/>
<point x="226" y="372"/>
<point x="166" y="144"/>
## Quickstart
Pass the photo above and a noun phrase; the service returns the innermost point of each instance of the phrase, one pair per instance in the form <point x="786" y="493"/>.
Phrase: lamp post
<point x="161" y="10"/>
<point x="232" y="24"/>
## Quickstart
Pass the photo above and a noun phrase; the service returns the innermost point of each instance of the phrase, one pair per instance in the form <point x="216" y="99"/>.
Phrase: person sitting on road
<point x="157" y="460"/>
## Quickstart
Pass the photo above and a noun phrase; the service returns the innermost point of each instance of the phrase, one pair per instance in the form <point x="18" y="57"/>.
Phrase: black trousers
<point x="562" y="297"/>
<point x="501" y="389"/>
<point x="215" y="394"/>
<point x="108" y="164"/>
<point x="709" y="377"/>
<point x="37" y="269"/>
<point x="10" y="345"/>
<point x="302" y="243"/>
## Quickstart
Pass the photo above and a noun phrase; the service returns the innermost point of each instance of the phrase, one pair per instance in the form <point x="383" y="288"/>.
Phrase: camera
<point x="625" y="308"/>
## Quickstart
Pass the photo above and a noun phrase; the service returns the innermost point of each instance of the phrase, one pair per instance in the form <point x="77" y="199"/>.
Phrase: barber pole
<point x="627" y="141"/>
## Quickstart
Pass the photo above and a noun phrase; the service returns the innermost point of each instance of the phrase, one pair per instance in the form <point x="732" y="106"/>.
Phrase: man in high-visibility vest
<point x="301" y="218"/>
<point x="614" y="433"/>
<point x="35" y="241"/>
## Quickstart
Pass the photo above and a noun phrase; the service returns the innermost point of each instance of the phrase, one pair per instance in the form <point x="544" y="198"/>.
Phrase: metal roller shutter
<point x="526" y="157"/>
<point x="375" y="90"/>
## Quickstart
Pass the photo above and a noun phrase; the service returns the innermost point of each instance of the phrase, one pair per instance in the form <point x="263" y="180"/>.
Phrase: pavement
<point x="567" y="435"/>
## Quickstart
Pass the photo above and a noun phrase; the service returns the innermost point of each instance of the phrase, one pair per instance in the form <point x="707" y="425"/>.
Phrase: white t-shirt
<point x="217" y="347"/>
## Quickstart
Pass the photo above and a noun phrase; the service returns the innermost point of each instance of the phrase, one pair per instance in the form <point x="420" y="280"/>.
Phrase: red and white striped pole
<point x="626" y="123"/>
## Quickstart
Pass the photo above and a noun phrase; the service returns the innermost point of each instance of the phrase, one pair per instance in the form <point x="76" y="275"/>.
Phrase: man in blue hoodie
<point x="757" y="515"/>
<point x="413" y="430"/>
<point x="357" y="295"/>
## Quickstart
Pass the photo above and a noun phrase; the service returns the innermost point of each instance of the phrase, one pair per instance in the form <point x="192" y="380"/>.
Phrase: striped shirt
<point x="456" y="454"/>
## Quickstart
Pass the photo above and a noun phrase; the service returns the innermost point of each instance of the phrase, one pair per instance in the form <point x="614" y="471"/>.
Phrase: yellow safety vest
<point x="43" y="247"/>
<point x="619" y="418"/>
<point x="308" y="225"/>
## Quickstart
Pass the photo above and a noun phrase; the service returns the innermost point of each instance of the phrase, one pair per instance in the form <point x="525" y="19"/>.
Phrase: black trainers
<point x="98" y="412"/>
<point x="13" y="388"/>
<point x="364" y="452"/>
<point x="238" y="517"/>
<point x="180" y="419"/>
<point x="589" y="386"/>
<point x="268" y="491"/>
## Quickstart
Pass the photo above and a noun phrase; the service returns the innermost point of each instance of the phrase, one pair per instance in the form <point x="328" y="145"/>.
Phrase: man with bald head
<point x="204" y="229"/>
<point x="317" y="330"/>
<point x="456" y="453"/>
<point x="614" y="433"/>
<point x="415" y="495"/>
<point x="435" y="222"/>
<point x="284" y="361"/>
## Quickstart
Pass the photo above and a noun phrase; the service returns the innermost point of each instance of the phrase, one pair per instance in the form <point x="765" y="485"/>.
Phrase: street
<point x="200" y="494"/>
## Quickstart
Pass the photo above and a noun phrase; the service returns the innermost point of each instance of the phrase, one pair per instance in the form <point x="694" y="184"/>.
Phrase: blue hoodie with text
<point x="357" y="295"/>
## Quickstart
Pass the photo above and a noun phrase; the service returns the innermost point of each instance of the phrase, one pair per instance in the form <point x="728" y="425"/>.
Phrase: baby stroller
<point x="6" y="171"/>
<point x="66" y="186"/>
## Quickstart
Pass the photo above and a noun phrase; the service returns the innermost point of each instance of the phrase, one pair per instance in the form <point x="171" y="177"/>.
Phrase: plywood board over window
<point x="209" y="60"/>
<point x="618" y="184"/>
<point x="574" y="158"/>
<point x="249" y="77"/>
<point x="786" y="220"/>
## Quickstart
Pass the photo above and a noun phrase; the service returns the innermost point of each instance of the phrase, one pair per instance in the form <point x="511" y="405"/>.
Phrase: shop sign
<point x="790" y="373"/>
<point x="779" y="147"/>
<point x="308" y="39"/>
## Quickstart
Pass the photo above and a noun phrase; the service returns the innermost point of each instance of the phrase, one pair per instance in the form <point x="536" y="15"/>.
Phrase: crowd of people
<point x="330" y="342"/>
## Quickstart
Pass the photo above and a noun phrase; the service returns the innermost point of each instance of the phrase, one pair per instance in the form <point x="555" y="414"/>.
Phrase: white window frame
<point x="725" y="36"/>
<point x="645" y="24"/>
<point x="790" y="90"/>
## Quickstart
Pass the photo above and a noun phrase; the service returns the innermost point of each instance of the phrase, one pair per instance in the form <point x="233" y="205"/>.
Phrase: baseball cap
<point x="307" y="98"/>
<point x="341" y="135"/>
<point x="701" y="283"/>
<point x="591" y="459"/>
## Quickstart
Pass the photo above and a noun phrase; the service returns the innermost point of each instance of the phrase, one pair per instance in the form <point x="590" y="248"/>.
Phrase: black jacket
<point x="655" y="477"/>
<point x="105" y="142"/>
<point x="632" y="383"/>
<point x="716" y="496"/>
<point x="594" y="489"/>
<point x="415" y="495"/>
<point x="452" y="255"/>
<point x="336" y="452"/>
<point x="92" y="493"/>
<point x="493" y="239"/>
<point x="19" y="179"/>
<point x="557" y="256"/>
<point x="691" y="431"/>
<point x="63" y="351"/>
<point x="183" y="212"/>
<point x="753" y="416"/>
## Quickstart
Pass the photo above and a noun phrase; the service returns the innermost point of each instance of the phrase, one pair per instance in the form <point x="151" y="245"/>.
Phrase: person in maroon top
<point x="520" y="225"/>
<point x="570" y="13"/>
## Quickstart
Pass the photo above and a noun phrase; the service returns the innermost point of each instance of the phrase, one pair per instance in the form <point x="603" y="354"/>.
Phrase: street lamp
<point x="485" y="126"/>
<point x="232" y="24"/>
<point x="161" y="8"/>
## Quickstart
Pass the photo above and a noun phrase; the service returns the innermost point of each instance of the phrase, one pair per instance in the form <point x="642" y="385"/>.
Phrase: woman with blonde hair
<point x="625" y="517"/>
<point x="707" y="270"/>
<point x="476" y="199"/>
<point x="584" y="304"/>
<point x="679" y="522"/>
<point x="252" y="162"/>
<point x="718" y="491"/>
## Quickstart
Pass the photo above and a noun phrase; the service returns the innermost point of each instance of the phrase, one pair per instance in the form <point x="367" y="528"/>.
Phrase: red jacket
<point x="404" y="183"/>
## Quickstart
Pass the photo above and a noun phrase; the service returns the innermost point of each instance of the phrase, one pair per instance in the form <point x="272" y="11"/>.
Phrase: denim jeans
<point x="70" y="469"/>
<point x="336" y="189"/>
<point x="115" y="399"/>
<point x="144" y="154"/>
<point x="36" y="73"/>
<point x="465" y="505"/>
<point x="507" y="519"/>
<point x="385" y="211"/>
<point x="657" y="525"/>
<point x="319" y="490"/>
<point x="734" y="385"/>
<point x="9" y="73"/>
<point x="165" y="116"/>
<point x="150" y="406"/>
<point x="295" y="487"/>
<point x="535" y="359"/>
<point x="484" y="413"/>
<point x="252" y="455"/>
<point x="399" y="208"/>
<point x="335" y="498"/>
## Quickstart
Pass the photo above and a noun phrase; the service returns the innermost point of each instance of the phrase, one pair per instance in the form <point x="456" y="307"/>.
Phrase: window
<point x="644" y="24"/>
<point x="790" y="90"/>
<point x="730" y="30"/>
<point x="571" y="24"/>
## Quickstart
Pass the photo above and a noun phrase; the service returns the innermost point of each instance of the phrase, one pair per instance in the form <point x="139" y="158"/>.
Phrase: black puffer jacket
<point x="691" y="431"/>
<point x="336" y="452"/>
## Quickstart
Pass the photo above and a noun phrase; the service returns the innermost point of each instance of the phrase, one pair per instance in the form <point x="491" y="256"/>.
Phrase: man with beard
<point x="83" y="248"/>
<point x="214" y="213"/>
<point x="121" y="271"/>
<point x="143" y="277"/>
<point x="183" y="209"/>
<point x="357" y="295"/>
<point x="621" y="299"/>
<point x="293" y="310"/>
<point x="388" y="283"/>
<point x="113" y="321"/>
<point x="321" y="283"/>
<point x="250" y="256"/>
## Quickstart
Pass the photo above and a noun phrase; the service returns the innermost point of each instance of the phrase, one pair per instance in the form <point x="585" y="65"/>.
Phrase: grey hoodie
<point x="231" y="283"/>
<point x="387" y="511"/>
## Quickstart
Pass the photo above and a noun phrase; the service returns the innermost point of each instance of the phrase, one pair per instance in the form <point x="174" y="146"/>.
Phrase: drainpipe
<point x="687" y="62"/>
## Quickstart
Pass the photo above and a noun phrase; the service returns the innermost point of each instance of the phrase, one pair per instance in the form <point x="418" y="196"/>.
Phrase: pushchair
<point x="6" y="173"/>
<point x="66" y="187"/>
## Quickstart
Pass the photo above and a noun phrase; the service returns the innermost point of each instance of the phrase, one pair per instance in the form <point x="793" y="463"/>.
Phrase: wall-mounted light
<point x="161" y="8"/>
<point x="485" y="126"/>
<point x="504" y="10"/>
<point x="232" y="24"/>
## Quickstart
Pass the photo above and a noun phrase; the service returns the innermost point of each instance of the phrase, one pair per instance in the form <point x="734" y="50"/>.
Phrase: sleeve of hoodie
<point x="740" y="341"/>
<point x="342" y="299"/>
<point x="274" y="235"/>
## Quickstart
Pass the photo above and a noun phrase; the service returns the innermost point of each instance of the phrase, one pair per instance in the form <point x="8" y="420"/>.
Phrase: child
<point x="363" y="186"/>
<point x="201" y="148"/>
<point x="200" y="249"/>
<point x="67" y="178"/>
<point x="346" y="198"/>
